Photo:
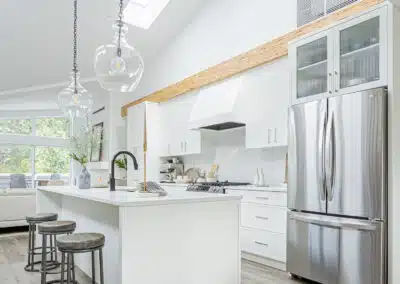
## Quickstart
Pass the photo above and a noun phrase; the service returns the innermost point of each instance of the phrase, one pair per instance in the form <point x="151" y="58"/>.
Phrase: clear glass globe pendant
<point x="118" y="66"/>
<point x="75" y="100"/>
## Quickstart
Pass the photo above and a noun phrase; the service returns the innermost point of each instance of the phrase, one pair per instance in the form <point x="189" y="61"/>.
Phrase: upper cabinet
<point x="346" y="58"/>
<point x="176" y="137"/>
<point x="264" y="104"/>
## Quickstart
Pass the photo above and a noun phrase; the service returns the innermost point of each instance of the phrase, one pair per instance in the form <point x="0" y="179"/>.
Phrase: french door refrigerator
<point x="337" y="190"/>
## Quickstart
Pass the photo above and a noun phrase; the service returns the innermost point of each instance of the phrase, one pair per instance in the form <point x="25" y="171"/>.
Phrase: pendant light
<point x="118" y="66"/>
<point x="75" y="100"/>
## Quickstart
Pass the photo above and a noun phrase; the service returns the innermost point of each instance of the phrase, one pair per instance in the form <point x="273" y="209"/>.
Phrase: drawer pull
<point x="262" y="218"/>
<point x="262" y="198"/>
<point x="261" y="244"/>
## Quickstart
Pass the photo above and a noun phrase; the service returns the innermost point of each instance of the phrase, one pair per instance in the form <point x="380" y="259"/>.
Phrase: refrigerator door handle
<point x="329" y="156"/>
<point x="321" y="153"/>
<point x="335" y="222"/>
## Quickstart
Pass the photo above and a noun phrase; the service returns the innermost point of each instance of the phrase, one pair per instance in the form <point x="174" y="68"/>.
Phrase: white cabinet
<point x="346" y="58"/>
<point x="263" y="226"/>
<point x="267" y="91"/>
<point x="135" y="141"/>
<point x="176" y="137"/>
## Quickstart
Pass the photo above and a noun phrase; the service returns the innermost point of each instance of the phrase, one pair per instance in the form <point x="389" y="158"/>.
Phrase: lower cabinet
<point x="263" y="243"/>
<point x="263" y="226"/>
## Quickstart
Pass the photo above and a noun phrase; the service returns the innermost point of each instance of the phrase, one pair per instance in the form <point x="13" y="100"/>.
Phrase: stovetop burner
<point x="214" y="187"/>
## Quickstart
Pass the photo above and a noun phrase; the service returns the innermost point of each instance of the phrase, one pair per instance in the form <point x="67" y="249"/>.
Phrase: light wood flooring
<point x="13" y="251"/>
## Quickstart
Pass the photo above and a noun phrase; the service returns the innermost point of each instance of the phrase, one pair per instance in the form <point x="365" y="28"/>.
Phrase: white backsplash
<point x="236" y="163"/>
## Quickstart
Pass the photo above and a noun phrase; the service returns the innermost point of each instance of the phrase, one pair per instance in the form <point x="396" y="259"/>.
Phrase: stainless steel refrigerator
<point x="337" y="189"/>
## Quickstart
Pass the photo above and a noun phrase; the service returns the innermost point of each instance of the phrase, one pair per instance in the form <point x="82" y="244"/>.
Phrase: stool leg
<point x="93" y="269"/>
<point x="62" y="267"/>
<point x="68" y="268"/>
<point x="101" y="266"/>
<point x="55" y="247"/>
<point x="51" y="249"/>
<point x="29" y="244"/>
<point x="73" y="269"/>
<point x="44" y="256"/>
<point x="33" y="236"/>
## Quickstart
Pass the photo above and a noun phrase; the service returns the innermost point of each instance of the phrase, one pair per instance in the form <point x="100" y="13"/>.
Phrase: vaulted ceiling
<point x="36" y="40"/>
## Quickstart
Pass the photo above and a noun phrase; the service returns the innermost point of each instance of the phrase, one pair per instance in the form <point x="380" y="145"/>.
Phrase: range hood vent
<point x="216" y="107"/>
<point x="224" y="126"/>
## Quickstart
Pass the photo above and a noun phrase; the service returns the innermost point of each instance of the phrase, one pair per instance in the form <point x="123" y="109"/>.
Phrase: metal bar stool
<point x="68" y="245"/>
<point x="51" y="230"/>
<point x="32" y="250"/>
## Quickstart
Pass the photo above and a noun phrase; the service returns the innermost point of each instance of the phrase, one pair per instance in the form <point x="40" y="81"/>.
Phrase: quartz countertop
<point x="250" y="187"/>
<point x="126" y="198"/>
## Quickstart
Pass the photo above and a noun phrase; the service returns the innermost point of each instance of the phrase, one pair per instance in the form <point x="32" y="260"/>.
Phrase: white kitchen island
<point x="183" y="238"/>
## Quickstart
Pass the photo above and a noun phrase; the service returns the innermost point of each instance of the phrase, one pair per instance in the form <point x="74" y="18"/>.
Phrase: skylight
<point x="143" y="13"/>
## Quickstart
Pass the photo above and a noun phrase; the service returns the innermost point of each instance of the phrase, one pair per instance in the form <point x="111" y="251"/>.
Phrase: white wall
<point x="237" y="164"/>
<point x="220" y="30"/>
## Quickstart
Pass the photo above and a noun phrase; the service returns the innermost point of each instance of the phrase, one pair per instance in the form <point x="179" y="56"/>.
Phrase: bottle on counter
<point x="261" y="179"/>
<point x="256" y="178"/>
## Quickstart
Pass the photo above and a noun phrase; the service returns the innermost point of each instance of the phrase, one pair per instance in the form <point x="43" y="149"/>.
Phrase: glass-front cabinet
<point x="349" y="57"/>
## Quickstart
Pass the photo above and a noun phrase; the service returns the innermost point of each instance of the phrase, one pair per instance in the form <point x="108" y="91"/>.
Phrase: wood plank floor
<point x="13" y="251"/>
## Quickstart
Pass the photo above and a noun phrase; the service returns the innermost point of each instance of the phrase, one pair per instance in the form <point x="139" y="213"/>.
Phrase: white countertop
<point x="277" y="188"/>
<point x="126" y="198"/>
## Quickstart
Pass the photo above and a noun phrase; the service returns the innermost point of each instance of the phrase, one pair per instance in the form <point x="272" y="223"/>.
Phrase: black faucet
<point x="112" y="177"/>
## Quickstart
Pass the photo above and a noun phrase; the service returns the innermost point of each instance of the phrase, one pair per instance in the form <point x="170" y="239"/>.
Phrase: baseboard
<point x="264" y="261"/>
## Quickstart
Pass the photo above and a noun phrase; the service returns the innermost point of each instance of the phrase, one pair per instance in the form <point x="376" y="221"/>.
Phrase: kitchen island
<point x="182" y="238"/>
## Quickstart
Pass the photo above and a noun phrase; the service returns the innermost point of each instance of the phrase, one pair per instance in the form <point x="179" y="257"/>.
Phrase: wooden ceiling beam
<point x="260" y="55"/>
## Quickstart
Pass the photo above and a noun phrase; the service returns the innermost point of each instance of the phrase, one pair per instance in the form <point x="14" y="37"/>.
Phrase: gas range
<point x="213" y="187"/>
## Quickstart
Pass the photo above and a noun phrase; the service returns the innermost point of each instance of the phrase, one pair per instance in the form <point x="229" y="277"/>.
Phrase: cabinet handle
<point x="262" y="198"/>
<point x="331" y="79"/>
<point x="261" y="244"/>
<point x="262" y="218"/>
<point x="275" y="135"/>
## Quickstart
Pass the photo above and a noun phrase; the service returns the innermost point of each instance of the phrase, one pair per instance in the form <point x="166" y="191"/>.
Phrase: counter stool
<point x="51" y="230"/>
<point x="80" y="243"/>
<point x="32" y="222"/>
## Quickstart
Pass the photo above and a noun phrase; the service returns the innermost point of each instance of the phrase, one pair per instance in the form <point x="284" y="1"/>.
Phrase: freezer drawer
<point x="334" y="250"/>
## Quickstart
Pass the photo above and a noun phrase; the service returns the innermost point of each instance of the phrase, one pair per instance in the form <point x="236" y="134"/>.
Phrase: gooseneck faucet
<point x="112" y="177"/>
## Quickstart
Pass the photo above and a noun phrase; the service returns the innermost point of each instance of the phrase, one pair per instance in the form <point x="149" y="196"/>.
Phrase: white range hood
<point x="215" y="108"/>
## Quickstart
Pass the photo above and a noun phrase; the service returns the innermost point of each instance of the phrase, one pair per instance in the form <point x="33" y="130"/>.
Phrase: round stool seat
<point x="58" y="227"/>
<point x="80" y="242"/>
<point x="42" y="217"/>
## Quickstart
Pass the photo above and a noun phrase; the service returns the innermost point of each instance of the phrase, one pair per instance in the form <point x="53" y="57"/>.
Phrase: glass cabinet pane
<point x="359" y="53"/>
<point x="312" y="68"/>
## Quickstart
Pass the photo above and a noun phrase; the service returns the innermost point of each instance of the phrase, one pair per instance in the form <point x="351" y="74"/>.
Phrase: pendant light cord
<point x="75" y="65"/>
<point x="120" y="15"/>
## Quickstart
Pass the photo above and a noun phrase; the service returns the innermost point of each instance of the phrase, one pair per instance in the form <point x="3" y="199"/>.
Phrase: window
<point x="15" y="159"/>
<point x="16" y="126"/>
<point x="142" y="13"/>
<point x="51" y="160"/>
<point x="52" y="127"/>
<point x="35" y="147"/>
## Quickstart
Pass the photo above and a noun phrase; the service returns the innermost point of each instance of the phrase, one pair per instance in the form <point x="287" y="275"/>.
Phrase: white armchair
<point x="15" y="205"/>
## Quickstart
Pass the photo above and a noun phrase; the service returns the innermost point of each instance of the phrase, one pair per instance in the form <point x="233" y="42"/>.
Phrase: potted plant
<point x="81" y="147"/>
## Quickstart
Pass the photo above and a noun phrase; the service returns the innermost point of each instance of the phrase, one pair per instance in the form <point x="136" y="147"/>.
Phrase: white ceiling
<point x="36" y="39"/>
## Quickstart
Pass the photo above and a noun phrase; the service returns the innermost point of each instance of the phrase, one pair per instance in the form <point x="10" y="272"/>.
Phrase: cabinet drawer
<point x="264" y="243"/>
<point x="268" y="198"/>
<point x="264" y="217"/>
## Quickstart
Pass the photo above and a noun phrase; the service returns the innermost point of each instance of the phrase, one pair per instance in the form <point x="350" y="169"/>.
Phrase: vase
<point x="84" y="179"/>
